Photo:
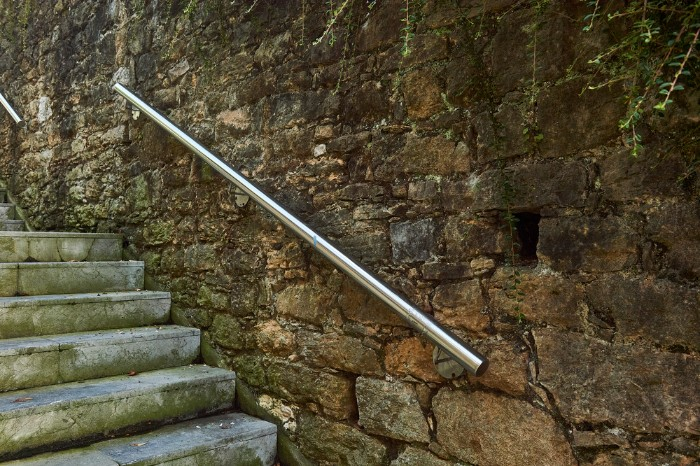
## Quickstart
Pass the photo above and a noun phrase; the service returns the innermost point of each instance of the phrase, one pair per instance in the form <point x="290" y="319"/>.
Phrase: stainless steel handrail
<point x="11" y="111"/>
<point x="470" y="359"/>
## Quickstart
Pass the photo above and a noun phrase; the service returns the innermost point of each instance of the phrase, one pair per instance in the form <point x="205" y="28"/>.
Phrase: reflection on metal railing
<point x="11" y="111"/>
<point x="467" y="357"/>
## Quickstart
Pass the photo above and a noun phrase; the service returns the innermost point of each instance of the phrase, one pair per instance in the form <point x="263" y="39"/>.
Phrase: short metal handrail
<point x="462" y="353"/>
<point x="11" y="110"/>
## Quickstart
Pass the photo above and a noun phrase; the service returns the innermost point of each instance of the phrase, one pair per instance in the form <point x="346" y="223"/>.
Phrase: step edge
<point x="128" y="390"/>
<point x="83" y="264"/>
<point x="82" y="298"/>
<point x="60" y="234"/>
<point x="108" y="337"/>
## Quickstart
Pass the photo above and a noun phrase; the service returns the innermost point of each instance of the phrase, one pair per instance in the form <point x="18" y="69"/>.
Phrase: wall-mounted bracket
<point x="445" y="365"/>
<point x="241" y="198"/>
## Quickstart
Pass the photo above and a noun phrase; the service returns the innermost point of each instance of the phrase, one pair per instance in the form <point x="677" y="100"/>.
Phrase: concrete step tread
<point x="190" y="439"/>
<point x="53" y="299"/>
<point x="35" y="401"/>
<point x="75" y="265"/>
<point x="58" y="234"/>
<point x="77" y="413"/>
<point x="31" y="345"/>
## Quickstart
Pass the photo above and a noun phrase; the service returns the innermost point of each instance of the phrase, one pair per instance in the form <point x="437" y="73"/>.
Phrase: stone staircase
<point x="92" y="374"/>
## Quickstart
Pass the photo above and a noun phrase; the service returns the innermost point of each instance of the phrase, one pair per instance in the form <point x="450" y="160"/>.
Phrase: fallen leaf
<point x="137" y="444"/>
<point x="132" y="373"/>
<point x="23" y="399"/>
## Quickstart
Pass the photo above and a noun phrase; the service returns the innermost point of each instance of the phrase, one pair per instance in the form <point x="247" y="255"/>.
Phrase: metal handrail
<point x="11" y="111"/>
<point x="461" y="352"/>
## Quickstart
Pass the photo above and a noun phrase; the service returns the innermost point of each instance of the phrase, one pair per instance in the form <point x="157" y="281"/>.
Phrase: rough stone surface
<point x="461" y="305"/>
<point x="588" y="244"/>
<point x="333" y="393"/>
<point x="334" y="443"/>
<point x="411" y="456"/>
<point x="413" y="242"/>
<point x="656" y="310"/>
<point x="539" y="295"/>
<point x="643" y="389"/>
<point x="391" y="409"/>
<point x="475" y="426"/>
<point x="338" y="352"/>
<point x="411" y="357"/>
<point x="409" y="163"/>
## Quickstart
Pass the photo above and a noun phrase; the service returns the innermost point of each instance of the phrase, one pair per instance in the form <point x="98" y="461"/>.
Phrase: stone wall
<point x="410" y="163"/>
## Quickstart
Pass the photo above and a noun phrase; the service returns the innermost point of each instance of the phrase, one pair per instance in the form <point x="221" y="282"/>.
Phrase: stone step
<point x="69" y="414"/>
<point x="24" y="316"/>
<point x="229" y="439"/>
<point x="40" y="361"/>
<point x="32" y="246"/>
<point x="42" y="278"/>
<point x="7" y="211"/>
<point x="12" y="225"/>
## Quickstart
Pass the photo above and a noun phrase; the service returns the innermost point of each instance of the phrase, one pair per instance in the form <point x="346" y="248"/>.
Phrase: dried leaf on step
<point x="137" y="444"/>
<point x="23" y="399"/>
<point x="132" y="373"/>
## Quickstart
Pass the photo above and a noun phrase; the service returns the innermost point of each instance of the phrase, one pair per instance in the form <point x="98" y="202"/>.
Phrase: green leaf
<point x="678" y="87"/>
<point x="660" y="106"/>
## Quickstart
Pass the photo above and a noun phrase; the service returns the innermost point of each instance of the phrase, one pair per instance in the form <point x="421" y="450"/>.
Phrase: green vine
<point x="652" y="60"/>
<point x="512" y="255"/>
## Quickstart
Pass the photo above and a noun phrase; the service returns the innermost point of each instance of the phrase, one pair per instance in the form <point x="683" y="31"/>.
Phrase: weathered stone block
<point x="543" y="297"/>
<point x="359" y="305"/>
<point x="413" y="241"/>
<point x="272" y="338"/>
<point x="660" y="311"/>
<point x="571" y="122"/>
<point x="411" y="357"/>
<point x="422" y="94"/>
<point x="435" y="155"/>
<point x="461" y="305"/>
<point x="591" y="244"/>
<point x="641" y="388"/>
<point x="625" y="178"/>
<point x="307" y="302"/>
<point x="201" y="257"/>
<point x="298" y="383"/>
<point x="391" y="409"/>
<point x="226" y="331"/>
<point x="456" y="196"/>
<point x="366" y="104"/>
<point x="507" y="370"/>
<point x="555" y="184"/>
<point x="446" y="271"/>
<point x="677" y="228"/>
<point x="413" y="456"/>
<point x="338" y="352"/>
<point x="336" y="443"/>
<point x="467" y="237"/>
<point x="475" y="426"/>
